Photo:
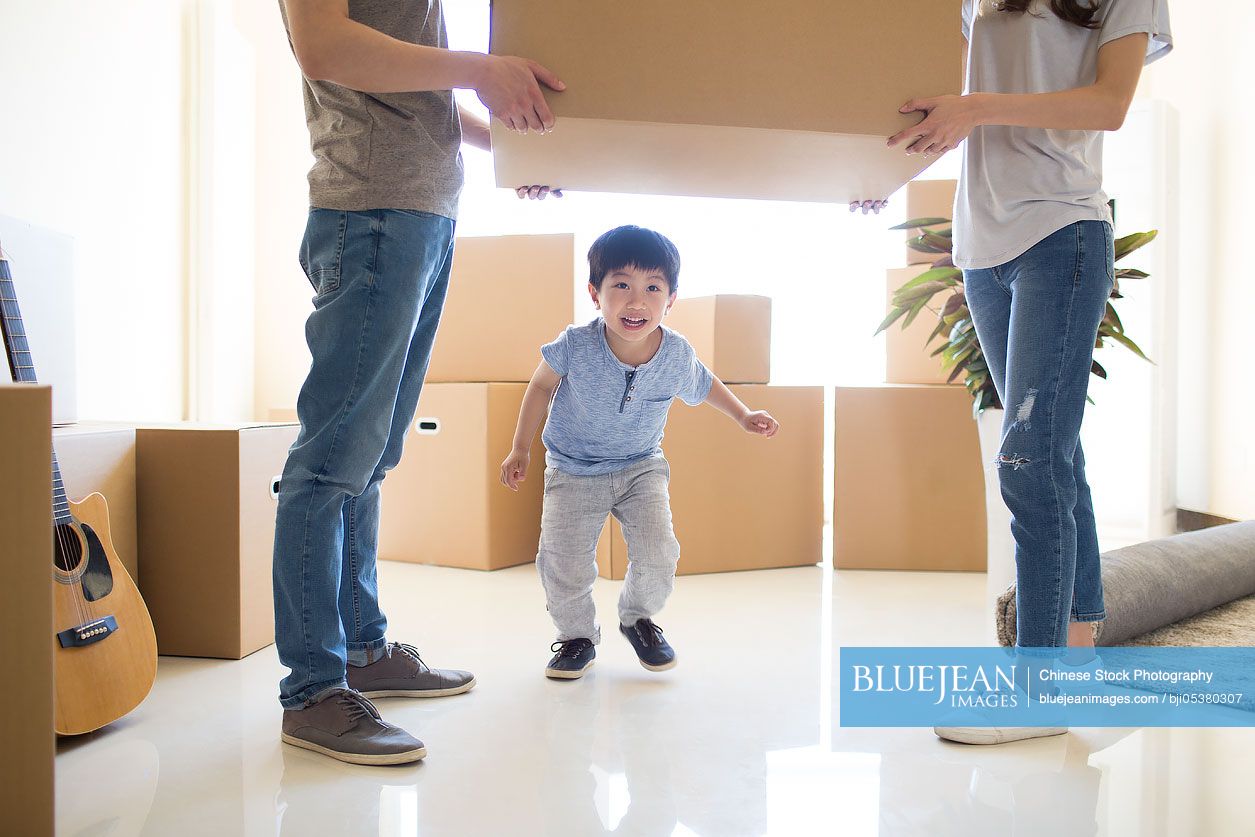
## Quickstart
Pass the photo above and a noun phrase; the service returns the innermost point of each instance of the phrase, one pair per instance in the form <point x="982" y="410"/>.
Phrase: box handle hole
<point x="427" y="426"/>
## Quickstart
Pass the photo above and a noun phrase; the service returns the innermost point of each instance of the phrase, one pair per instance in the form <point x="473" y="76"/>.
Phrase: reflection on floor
<point x="740" y="739"/>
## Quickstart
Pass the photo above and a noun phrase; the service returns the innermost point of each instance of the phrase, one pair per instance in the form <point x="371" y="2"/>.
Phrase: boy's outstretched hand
<point x="514" y="469"/>
<point x="760" y="422"/>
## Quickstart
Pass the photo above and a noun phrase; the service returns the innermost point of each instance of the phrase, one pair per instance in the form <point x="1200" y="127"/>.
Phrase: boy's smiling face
<point x="633" y="302"/>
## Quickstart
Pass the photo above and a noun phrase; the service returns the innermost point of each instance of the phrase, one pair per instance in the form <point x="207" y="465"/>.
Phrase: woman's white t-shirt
<point x="1019" y="185"/>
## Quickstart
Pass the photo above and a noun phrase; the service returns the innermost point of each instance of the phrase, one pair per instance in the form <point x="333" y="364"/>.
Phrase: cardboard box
<point x="101" y="458"/>
<point x="26" y="771"/>
<point x="927" y="199"/>
<point x="742" y="502"/>
<point x="508" y="296"/>
<point x="444" y="503"/>
<point x="730" y="332"/>
<point x="734" y="100"/>
<point x="907" y="358"/>
<point x="910" y="490"/>
<point x="207" y="501"/>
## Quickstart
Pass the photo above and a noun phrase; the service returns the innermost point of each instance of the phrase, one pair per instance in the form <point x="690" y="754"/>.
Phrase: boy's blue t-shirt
<point x="607" y="415"/>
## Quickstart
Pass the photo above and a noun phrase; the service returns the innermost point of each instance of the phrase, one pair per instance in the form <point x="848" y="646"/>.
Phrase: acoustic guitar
<point x="104" y="647"/>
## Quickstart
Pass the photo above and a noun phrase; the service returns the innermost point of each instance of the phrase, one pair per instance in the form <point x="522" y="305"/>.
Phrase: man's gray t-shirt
<point x="1019" y="185"/>
<point x="607" y="415"/>
<point x="386" y="150"/>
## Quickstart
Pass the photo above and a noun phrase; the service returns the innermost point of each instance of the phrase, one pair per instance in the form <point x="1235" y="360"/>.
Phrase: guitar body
<point x="102" y="679"/>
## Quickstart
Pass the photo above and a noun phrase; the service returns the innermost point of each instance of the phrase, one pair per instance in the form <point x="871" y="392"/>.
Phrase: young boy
<point x="608" y="386"/>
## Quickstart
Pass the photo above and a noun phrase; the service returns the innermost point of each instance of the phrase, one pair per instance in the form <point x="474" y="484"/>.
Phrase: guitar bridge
<point x="87" y="633"/>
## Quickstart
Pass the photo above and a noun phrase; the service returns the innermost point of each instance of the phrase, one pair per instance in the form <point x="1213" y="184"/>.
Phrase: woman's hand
<point x="949" y="121"/>
<point x="869" y="206"/>
<point x="537" y="193"/>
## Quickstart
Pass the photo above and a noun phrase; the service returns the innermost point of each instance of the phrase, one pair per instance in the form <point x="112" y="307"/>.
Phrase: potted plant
<point x="939" y="292"/>
<point x="960" y="351"/>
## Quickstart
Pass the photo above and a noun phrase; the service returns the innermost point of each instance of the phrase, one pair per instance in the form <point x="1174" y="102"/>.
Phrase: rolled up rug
<point x="1162" y="582"/>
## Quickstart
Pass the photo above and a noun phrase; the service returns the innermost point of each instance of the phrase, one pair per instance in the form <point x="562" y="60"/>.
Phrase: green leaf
<point x="941" y="242"/>
<point x="889" y="320"/>
<point x="1129" y="344"/>
<point x="919" y="305"/>
<point x="917" y="223"/>
<point x="925" y="291"/>
<point x="920" y="245"/>
<point x="953" y="304"/>
<point x="1130" y="273"/>
<point x="1113" y="319"/>
<point x="1132" y="242"/>
<point x="949" y="275"/>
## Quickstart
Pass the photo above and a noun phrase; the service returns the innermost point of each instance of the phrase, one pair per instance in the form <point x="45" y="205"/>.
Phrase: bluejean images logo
<point x="1119" y="687"/>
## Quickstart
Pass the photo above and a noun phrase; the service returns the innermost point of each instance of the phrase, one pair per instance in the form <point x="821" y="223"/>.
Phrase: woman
<point x="1032" y="233"/>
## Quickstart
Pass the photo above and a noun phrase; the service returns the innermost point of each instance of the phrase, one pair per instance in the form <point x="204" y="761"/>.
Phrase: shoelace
<point x="649" y="633"/>
<point x="410" y="651"/>
<point x="570" y="648"/>
<point x="357" y="706"/>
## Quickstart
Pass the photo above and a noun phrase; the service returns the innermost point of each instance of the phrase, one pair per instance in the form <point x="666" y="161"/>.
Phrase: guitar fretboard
<point x="17" y="350"/>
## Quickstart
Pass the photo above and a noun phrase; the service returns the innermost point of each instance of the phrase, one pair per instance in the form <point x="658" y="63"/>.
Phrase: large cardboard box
<point x="909" y="487"/>
<point x="207" y="501"/>
<point x="741" y="501"/>
<point x="508" y="296"/>
<point x="734" y="99"/>
<point x="730" y="332"/>
<point x="100" y="458"/>
<point x="26" y="771"/>
<point x="907" y="358"/>
<point x="444" y="503"/>
<point x="927" y="199"/>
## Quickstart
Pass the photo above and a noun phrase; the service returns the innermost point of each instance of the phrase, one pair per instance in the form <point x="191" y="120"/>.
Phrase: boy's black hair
<point x="633" y="246"/>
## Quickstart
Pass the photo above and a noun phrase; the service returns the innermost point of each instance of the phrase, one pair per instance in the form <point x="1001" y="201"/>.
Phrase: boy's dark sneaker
<point x="646" y="638"/>
<point x="573" y="658"/>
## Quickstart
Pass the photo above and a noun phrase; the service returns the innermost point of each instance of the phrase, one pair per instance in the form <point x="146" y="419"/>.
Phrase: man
<point x="378" y="246"/>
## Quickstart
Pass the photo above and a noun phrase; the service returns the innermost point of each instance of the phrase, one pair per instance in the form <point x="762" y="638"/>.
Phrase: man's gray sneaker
<point x="346" y="726"/>
<point x="401" y="672"/>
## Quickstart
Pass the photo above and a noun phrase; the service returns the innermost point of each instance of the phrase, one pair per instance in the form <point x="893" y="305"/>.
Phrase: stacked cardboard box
<point x="914" y="440"/>
<point x="909" y="489"/>
<point x="444" y="503"/>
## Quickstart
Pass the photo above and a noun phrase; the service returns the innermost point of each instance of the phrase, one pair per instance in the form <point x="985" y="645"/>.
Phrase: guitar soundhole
<point x="69" y="548"/>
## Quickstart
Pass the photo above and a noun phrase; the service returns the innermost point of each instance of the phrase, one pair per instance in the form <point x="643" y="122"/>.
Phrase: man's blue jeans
<point x="1037" y="318"/>
<point x="380" y="279"/>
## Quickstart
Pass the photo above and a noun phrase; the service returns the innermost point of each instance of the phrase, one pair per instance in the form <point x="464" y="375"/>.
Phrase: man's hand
<point x="869" y="206"/>
<point x="537" y="193"/>
<point x="510" y="88"/>
<point x="760" y="422"/>
<point x="949" y="121"/>
<point x="514" y="469"/>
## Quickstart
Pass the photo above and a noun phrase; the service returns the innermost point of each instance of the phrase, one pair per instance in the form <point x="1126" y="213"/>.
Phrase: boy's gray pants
<point x="575" y="509"/>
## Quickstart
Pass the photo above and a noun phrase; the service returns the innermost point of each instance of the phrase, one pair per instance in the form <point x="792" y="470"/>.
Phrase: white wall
<point x="1206" y="79"/>
<point x="92" y="147"/>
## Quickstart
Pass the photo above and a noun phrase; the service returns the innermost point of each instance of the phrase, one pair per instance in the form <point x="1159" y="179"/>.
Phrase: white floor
<point x="740" y="739"/>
